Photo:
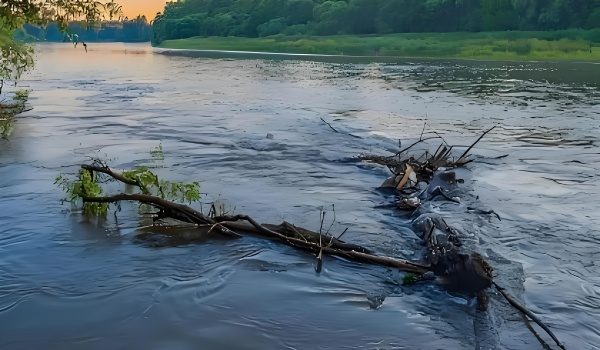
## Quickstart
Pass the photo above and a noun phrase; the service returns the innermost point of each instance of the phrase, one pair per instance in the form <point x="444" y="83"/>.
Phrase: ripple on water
<point x="251" y="132"/>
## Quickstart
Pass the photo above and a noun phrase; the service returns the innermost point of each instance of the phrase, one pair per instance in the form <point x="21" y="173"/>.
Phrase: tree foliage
<point x="86" y="184"/>
<point x="125" y="30"/>
<point x="8" y="110"/>
<point x="89" y="183"/>
<point x="256" y="18"/>
<point x="15" y="13"/>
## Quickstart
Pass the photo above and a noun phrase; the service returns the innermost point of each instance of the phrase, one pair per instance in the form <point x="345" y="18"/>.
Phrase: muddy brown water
<point x="67" y="282"/>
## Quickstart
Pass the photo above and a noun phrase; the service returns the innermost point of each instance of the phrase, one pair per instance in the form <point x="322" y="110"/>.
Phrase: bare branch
<point x="512" y="301"/>
<point x="332" y="128"/>
<point x="474" y="143"/>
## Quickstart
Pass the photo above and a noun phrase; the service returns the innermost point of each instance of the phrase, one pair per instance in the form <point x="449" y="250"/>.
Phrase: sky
<point x="149" y="8"/>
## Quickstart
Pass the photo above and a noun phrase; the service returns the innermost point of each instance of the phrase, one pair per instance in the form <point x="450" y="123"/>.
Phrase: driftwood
<point x="442" y="242"/>
<point x="458" y="270"/>
<point x="237" y="225"/>
<point x="427" y="164"/>
<point x="461" y="271"/>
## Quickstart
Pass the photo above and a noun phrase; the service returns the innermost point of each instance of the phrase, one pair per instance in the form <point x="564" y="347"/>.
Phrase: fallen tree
<point x="445" y="261"/>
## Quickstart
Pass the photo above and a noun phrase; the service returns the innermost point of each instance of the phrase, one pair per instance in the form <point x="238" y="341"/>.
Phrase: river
<point x="249" y="129"/>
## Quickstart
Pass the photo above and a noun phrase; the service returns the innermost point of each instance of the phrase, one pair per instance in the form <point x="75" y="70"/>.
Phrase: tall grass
<point x="566" y="44"/>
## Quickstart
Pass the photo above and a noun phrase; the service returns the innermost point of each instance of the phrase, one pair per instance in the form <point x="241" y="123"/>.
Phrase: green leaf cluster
<point x="6" y="127"/>
<point x="259" y="18"/>
<point x="21" y="97"/>
<point x="144" y="177"/>
<point x="89" y="184"/>
<point x="157" y="152"/>
<point x="84" y="185"/>
<point x="410" y="278"/>
<point x="9" y="110"/>
<point x="172" y="191"/>
<point x="15" y="58"/>
<point x="180" y="192"/>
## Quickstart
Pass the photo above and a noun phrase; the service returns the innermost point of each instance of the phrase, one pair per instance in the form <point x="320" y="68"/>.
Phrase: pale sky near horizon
<point x="149" y="8"/>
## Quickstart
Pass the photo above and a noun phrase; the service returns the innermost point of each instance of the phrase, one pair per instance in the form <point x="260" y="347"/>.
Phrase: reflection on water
<point x="66" y="282"/>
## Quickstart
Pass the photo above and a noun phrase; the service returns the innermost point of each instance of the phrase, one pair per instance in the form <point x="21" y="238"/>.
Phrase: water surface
<point x="67" y="282"/>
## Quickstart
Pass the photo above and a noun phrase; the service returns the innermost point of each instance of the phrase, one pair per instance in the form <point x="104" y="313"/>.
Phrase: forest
<point x="125" y="30"/>
<point x="261" y="18"/>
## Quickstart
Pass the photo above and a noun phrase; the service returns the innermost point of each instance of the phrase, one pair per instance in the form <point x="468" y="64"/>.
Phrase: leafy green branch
<point x="84" y="185"/>
<point x="87" y="184"/>
<point x="9" y="110"/>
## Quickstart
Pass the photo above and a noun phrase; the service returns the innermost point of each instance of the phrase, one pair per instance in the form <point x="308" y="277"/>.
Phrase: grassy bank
<point x="559" y="45"/>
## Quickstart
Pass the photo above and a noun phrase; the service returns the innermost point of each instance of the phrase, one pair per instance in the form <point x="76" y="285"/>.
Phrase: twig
<point x="293" y="228"/>
<point x="512" y="301"/>
<point x="330" y="242"/>
<point x="340" y="236"/>
<point x="558" y="181"/>
<point x="423" y="131"/>
<point x="414" y="144"/>
<point x="224" y="230"/>
<point x="332" y="128"/>
<point x="440" y="136"/>
<point x="474" y="143"/>
<point x="332" y="221"/>
<point x="322" y="214"/>
<point x="437" y="151"/>
<point x="319" y="266"/>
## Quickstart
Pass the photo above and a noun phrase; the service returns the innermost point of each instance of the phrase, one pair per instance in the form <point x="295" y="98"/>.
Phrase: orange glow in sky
<point x="149" y="8"/>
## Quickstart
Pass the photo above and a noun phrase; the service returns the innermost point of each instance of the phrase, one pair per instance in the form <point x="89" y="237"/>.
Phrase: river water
<point x="249" y="129"/>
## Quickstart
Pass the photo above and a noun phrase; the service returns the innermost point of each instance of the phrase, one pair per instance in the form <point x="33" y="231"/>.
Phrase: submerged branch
<point x="232" y="226"/>
<point x="310" y="241"/>
<point x="512" y="301"/>
<point x="180" y="211"/>
<point x="332" y="128"/>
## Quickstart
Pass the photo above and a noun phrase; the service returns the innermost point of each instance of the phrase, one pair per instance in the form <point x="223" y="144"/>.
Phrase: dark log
<point x="187" y="214"/>
<point x="332" y="247"/>
<point x="231" y="226"/>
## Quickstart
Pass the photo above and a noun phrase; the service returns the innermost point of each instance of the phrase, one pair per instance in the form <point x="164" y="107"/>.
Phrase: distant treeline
<point x="135" y="30"/>
<point x="259" y="18"/>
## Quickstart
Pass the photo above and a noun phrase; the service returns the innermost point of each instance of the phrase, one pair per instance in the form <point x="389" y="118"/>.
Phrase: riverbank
<point x="577" y="45"/>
